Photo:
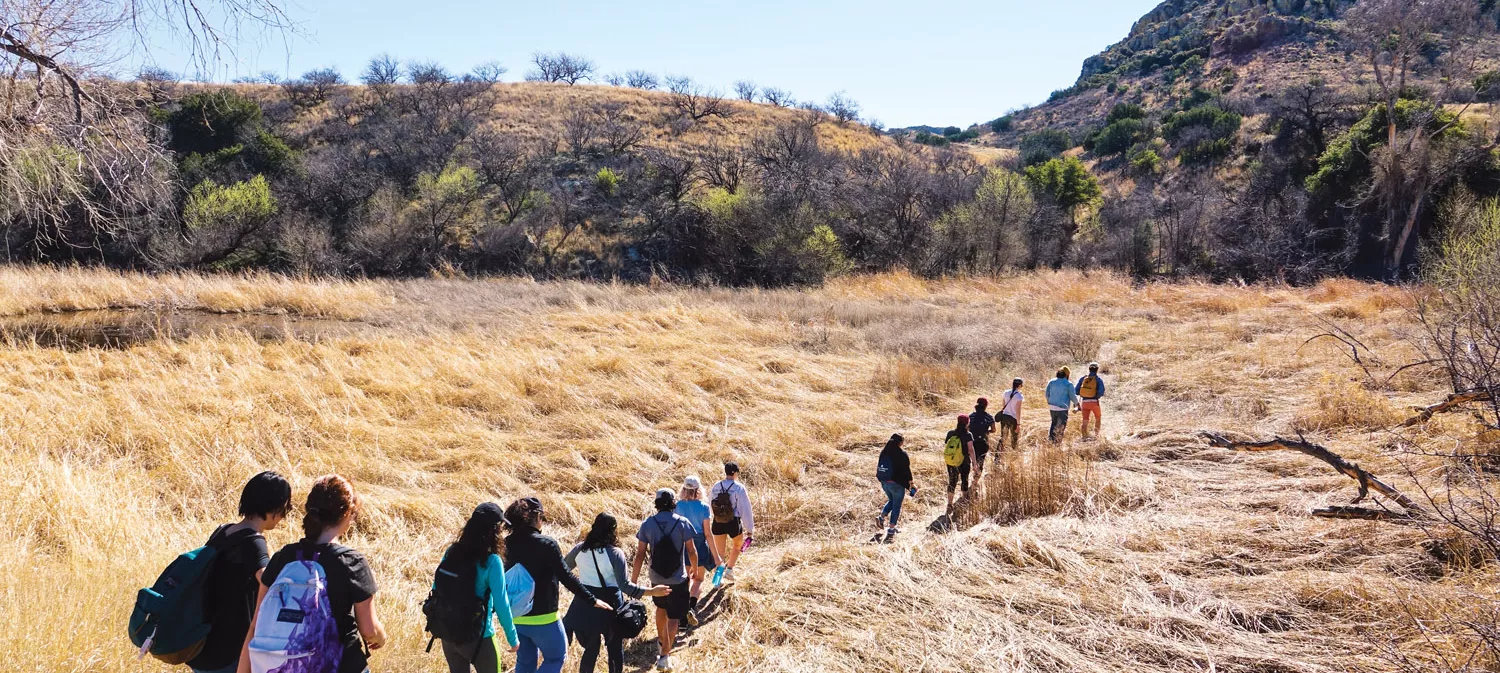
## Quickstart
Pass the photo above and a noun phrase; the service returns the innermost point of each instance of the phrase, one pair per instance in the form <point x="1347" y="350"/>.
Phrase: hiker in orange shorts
<point x="1089" y="389"/>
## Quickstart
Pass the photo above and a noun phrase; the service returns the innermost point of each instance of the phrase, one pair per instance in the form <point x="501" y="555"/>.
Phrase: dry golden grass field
<point x="1147" y="551"/>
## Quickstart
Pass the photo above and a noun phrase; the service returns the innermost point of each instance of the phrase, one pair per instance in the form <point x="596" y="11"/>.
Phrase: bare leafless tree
<point x="560" y="67"/>
<point x="777" y="97"/>
<point x="615" y="79"/>
<point x="313" y="87"/>
<point x="746" y="90"/>
<point x="640" y="79"/>
<point x="489" y="72"/>
<point x="843" y="108"/>
<point x="724" y="166"/>
<point x="694" y="101"/>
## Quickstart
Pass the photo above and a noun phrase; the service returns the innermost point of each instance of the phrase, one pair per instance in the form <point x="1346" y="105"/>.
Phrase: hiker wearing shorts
<point x="1060" y="400"/>
<point x="958" y="475"/>
<point x="893" y="470"/>
<point x="667" y="539"/>
<point x="1010" y="416"/>
<point x="981" y="424"/>
<point x="691" y="506"/>
<point x="1089" y="389"/>
<point x="234" y="582"/>
<point x="733" y="525"/>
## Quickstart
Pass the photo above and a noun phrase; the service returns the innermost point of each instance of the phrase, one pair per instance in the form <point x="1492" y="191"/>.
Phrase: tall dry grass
<point x="1167" y="555"/>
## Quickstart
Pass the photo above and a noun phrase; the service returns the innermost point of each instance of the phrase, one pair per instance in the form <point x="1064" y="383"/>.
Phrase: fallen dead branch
<point x="1367" y="481"/>
<point x="1453" y="402"/>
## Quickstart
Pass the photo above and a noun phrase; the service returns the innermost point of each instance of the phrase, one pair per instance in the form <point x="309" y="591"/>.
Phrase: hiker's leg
<point x="952" y="484"/>
<point x="589" y="639"/>
<point x="615" y="645"/>
<point x="554" y="647"/>
<point x="487" y="657"/>
<point x="717" y="543"/>
<point x="661" y="631"/>
<point x="895" y="494"/>
<point x="733" y="553"/>
<point x="526" y="652"/>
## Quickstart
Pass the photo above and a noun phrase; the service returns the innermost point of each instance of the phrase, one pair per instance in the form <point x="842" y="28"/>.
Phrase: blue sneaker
<point x="719" y="575"/>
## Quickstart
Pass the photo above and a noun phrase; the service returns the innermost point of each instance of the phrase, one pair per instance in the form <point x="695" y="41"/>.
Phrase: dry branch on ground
<point x="1367" y="481"/>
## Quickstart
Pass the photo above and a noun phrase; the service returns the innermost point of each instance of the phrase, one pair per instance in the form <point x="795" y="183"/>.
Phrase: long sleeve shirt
<point x="543" y="559"/>
<point x="492" y="578"/>
<point x="1098" y="392"/>
<point x="1060" y="395"/>
<point x="740" y="497"/>
<point x="602" y="568"/>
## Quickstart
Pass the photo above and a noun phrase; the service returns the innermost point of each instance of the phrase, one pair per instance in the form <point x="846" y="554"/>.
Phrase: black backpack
<point x="981" y="423"/>
<point x="722" y="506"/>
<point x="454" y="611"/>
<point x="885" y="469"/>
<point x="666" y="556"/>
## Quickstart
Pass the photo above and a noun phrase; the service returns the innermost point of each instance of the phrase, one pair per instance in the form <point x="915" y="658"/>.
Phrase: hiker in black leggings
<point x="601" y="567"/>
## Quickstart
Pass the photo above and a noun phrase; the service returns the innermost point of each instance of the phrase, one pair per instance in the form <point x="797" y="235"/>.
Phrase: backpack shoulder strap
<point x="599" y="574"/>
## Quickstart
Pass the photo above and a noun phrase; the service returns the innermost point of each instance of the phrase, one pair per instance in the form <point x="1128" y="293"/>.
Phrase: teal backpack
<point x="168" y="621"/>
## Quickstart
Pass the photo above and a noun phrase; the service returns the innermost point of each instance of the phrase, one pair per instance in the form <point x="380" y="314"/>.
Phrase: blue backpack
<point x="520" y="589"/>
<point x="168" y="621"/>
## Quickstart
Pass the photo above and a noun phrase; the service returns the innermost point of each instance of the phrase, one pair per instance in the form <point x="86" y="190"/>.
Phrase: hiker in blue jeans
<point x="1061" y="399"/>
<point x="894" y="472"/>
<point x="540" y="630"/>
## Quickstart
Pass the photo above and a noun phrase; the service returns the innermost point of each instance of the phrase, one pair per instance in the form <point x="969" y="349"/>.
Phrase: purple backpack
<point x="295" y="630"/>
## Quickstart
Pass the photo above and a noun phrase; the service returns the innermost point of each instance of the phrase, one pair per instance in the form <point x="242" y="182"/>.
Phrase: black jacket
<point x="541" y="557"/>
<point x="900" y="465"/>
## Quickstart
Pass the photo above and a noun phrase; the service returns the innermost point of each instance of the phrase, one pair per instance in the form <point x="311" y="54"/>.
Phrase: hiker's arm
<point x="571" y="560"/>
<point x="244" y="666"/>
<point x="370" y="628"/>
<point x="972" y="460"/>
<point x="743" y="495"/>
<point x="635" y="563"/>
<point x="631" y="589"/>
<point x="692" y="552"/>
<point x="500" y="600"/>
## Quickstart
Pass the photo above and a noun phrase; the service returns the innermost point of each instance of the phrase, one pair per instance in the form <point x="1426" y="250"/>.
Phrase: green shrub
<point x="239" y="205"/>
<point x="1204" y="134"/>
<point x="1003" y="124"/>
<point x="205" y="123"/>
<point x="1043" y="145"/>
<point x="1067" y="181"/>
<point x="1121" y="136"/>
<point x="925" y="138"/>
<point x="1122" y="111"/>
<point x="607" y="182"/>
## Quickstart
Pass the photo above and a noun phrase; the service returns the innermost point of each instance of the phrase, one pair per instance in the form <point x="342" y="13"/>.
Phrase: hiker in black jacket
<point x="540" y="630"/>
<point x="894" y="472"/>
<point x="981" y="424"/>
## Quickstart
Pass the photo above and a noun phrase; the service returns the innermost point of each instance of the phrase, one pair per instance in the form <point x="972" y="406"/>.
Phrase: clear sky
<point x="934" y="62"/>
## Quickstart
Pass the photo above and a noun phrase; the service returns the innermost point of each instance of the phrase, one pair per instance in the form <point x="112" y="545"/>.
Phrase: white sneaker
<point x="663" y="663"/>
<point x="729" y="575"/>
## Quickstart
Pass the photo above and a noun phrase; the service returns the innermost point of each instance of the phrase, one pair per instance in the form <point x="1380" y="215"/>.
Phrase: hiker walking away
<point x="234" y="581"/>
<point x="958" y="454"/>
<point x="332" y="587"/>
<point x="1060" y="400"/>
<point x="894" y="472"/>
<point x="981" y="424"/>
<point x="733" y="525"/>
<point x="543" y="645"/>
<point x="1010" y="416"/>
<point x="601" y="567"/>
<point x="470" y="582"/>
<point x="1090" y="389"/>
<point x="667" y="538"/>
<point x="691" y="506"/>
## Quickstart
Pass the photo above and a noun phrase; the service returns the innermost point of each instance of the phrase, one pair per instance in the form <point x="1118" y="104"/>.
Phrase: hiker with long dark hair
<point x="958" y="454"/>
<point x="234" y="582"/>
<point x="1010" y="416"/>
<point x="477" y="575"/>
<point x="544" y="644"/>
<point x="334" y="621"/>
<point x="600" y="564"/>
<point x="893" y="469"/>
<point x="981" y="424"/>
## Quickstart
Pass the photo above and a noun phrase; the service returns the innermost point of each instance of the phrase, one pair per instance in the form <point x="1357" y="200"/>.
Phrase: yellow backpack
<point x="1089" y="389"/>
<point x="953" y="452"/>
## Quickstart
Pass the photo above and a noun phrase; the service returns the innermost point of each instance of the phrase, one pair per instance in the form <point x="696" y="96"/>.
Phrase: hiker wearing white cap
<point x="1090" y="389"/>
<point x="690" y="506"/>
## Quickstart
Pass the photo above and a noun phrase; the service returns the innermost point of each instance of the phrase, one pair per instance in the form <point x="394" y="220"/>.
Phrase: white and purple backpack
<point x="295" y="631"/>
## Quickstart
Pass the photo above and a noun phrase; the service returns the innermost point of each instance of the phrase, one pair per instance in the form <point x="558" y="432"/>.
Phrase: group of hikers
<point x="966" y="446"/>
<point x="233" y="607"/>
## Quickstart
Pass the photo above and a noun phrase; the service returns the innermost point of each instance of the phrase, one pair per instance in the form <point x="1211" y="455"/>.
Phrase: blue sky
<point x="935" y="62"/>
